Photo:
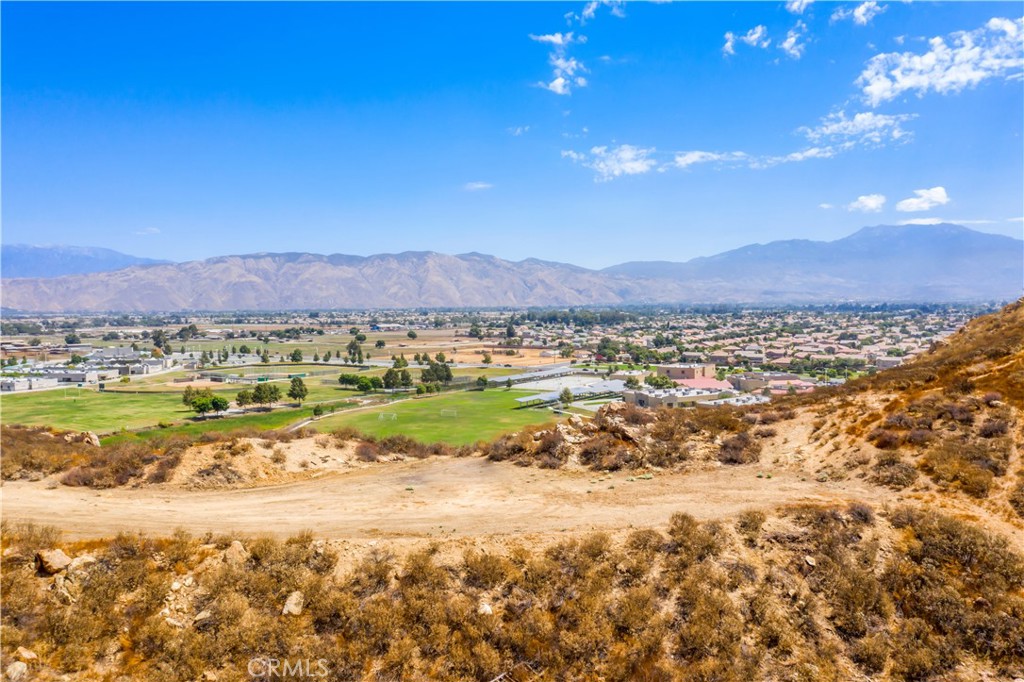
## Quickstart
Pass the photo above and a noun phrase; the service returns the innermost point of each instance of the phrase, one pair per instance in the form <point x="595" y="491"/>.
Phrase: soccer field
<point x="458" y="418"/>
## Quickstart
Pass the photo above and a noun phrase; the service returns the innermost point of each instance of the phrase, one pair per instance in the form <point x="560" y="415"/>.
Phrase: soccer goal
<point x="449" y="413"/>
<point x="387" y="417"/>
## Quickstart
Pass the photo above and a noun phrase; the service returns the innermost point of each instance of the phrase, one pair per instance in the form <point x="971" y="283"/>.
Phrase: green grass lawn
<point x="262" y="421"/>
<point x="109" y="412"/>
<point x="89" y="410"/>
<point x="481" y="415"/>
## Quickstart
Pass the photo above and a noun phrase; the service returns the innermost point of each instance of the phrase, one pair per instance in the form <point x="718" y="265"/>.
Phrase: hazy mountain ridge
<point x="913" y="263"/>
<point x="24" y="260"/>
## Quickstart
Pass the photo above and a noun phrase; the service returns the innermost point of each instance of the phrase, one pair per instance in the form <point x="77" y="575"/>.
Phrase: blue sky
<point x="591" y="133"/>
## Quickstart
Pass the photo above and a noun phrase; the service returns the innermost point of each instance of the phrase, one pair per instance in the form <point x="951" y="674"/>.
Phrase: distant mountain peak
<point x="27" y="260"/>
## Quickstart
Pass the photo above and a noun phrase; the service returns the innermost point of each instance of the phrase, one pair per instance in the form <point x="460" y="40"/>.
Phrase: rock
<point x="809" y="560"/>
<point x="293" y="605"/>
<point x="52" y="561"/>
<point x="26" y="656"/>
<point x="16" y="671"/>
<point x="80" y="562"/>
<point x="175" y="586"/>
<point x="91" y="438"/>
<point x="202" y="617"/>
<point x="484" y="609"/>
<point x="174" y="622"/>
<point x="236" y="554"/>
<point x="209" y="676"/>
<point x="188" y="581"/>
<point x="67" y="591"/>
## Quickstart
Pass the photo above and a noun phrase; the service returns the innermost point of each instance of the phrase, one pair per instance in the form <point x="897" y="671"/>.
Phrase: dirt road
<point x="418" y="499"/>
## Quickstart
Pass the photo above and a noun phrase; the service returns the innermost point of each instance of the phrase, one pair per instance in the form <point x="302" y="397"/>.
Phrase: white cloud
<point x="687" y="159"/>
<point x="148" y="231"/>
<point x="826" y="206"/>
<point x="517" y="131"/>
<point x="559" y="39"/>
<point x="757" y="37"/>
<point x="798" y="6"/>
<point x="730" y="43"/>
<point x="559" y="86"/>
<point x="924" y="200"/>
<point x="992" y="51"/>
<point x="565" y="66"/>
<point x="792" y="45"/>
<point x="615" y="162"/>
<point x="477" y="186"/>
<point x="865" y="127"/>
<point x="861" y="15"/>
<point x="564" y="69"/>
<point x="1015" y="220"/>
<point x="617" y="8"/>
<point x="868" y="203"/>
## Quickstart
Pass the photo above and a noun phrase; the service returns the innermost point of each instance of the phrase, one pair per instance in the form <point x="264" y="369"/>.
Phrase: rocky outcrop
<point x="52" y="561"/>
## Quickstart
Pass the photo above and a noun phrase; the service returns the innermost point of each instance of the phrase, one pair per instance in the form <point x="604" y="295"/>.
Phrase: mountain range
<point x="23" y="260"/>
<point x="934" y="263"/>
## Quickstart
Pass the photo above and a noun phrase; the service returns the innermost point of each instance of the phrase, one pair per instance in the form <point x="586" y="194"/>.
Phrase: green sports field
<point x="91" y="410"/>
<point x="478" y="415"/>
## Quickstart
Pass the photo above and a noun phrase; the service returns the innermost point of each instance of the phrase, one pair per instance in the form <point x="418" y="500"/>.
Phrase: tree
<point x="35" y="341"/>
<point x="72" y="339"/>
<point x="487" y="358"/>
<point x="296" y="355"/>
<point x="632" y="382"/>
<point x="316" y="357"/>
<point x="75" y="359"/>
<point x="658" y="381"/>
<point x="353" y="331"/>
<point x="481" y="382"/>
<point x="439" y="357"/>
<point x="244" y="398"/>
<point x="348" y="379"/>
<point x="391" y="378"/>
<point x="508" y="384"/>
<point x="318" y="410"/>
<point x="364" y="385"/>
<point x="360" y="337"/>
<point x="411" y="334"/>
<point x="298" y="391"/>
<point x="156" y="353"/>
<point x="202" y="404"/>
<point x="266" y="394"/>
<point x="380" y="343"/>
<point x="566" y="396"/>
<point x="219" y="403"/>
<point x="355" y="351"/>
<point x="405" y="378"/>
<point x="265" y="358"/>
<point x="327" y="356"/>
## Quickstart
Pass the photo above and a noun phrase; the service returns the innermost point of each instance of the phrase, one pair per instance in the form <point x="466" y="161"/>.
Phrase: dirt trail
<point x="461" y="497"/>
